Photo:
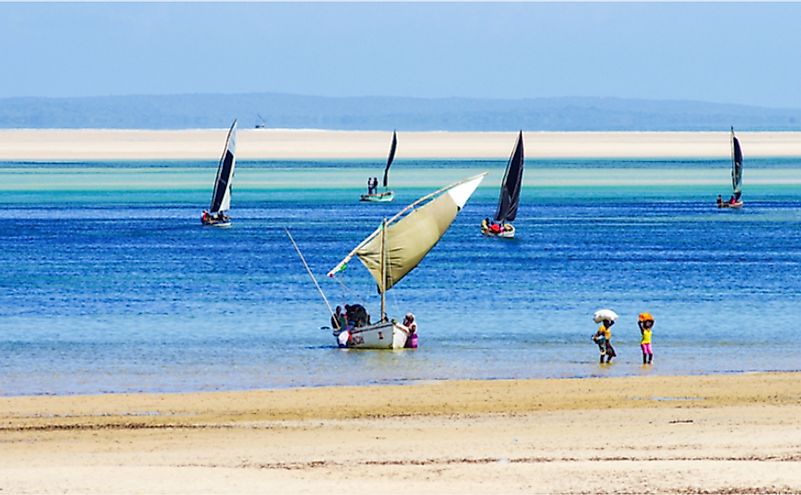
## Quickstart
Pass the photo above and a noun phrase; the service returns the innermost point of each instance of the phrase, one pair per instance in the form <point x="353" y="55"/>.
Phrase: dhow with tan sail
<point x="394" y="249"/>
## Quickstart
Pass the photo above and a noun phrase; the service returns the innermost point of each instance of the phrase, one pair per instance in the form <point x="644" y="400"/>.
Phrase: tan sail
<point x="409" y="238"/>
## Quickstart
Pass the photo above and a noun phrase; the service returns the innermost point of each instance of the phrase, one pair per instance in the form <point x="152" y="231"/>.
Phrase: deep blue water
<point x="117" y="291"/>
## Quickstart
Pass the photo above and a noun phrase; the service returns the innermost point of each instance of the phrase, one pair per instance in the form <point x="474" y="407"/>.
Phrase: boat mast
<point x="383" y="269"/>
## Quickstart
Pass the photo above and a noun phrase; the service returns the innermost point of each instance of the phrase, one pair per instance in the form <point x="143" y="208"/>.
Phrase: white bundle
<point x="604" y="314"/>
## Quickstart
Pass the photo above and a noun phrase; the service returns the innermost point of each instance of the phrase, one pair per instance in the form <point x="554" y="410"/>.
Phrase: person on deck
<point x="204" y="218"/>
<point x="732" y="200"/>
<point x="357" y="315"/>
<point x="411" y="325"/>
<point x="369" y="185"/>
<point x="719" y="201"/>
<point x="375" y="185"/>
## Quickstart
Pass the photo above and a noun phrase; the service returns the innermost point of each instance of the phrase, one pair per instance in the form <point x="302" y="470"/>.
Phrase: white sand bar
<point x="300" y="144"/>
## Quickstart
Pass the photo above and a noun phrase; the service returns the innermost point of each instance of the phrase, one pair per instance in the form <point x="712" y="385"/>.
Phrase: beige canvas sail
<point x="409" y="238"/>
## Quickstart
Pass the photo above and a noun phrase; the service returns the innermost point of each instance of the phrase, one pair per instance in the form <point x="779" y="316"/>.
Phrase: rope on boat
<point x="308" y="270"/>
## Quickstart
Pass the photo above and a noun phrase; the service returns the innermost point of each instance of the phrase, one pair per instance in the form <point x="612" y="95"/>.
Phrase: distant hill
<point x="382" y="113"/>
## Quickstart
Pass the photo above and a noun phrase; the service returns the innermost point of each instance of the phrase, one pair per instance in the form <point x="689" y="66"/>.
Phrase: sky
<point x="729" y="53"/>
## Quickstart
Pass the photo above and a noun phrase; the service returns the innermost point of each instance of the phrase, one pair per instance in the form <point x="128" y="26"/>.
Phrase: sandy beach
<point x="279" y="144"/>
<point x="695" y="434"/>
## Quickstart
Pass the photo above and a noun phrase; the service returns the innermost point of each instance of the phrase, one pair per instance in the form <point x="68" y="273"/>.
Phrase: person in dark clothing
<point x="337" y="319"/>
<point x="357" y="315"/>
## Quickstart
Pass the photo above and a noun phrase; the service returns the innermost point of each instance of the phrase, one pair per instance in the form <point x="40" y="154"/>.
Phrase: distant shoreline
<point x="315" y="144"/>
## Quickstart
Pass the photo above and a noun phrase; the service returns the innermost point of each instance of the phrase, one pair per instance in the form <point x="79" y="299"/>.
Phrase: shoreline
<point x="687" y="434"/>
<point x="312" y="144"/>
<point x="407" y="392"/>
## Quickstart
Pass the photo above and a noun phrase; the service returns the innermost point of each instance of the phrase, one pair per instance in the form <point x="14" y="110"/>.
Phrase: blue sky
<point x="738" y="53"/>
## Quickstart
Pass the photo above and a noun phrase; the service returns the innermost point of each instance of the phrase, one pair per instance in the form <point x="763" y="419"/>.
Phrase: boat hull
<point x="735" y="206"/>
<point x="216" y="223"/>
<point x="507" y="233"/>
<point x="385" y="335"/>
<point x="384" y="197"/>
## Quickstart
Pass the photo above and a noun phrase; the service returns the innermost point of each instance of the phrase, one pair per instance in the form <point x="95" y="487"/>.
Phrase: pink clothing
<point x="411" y="342"/>
<point x="646" y="348"/>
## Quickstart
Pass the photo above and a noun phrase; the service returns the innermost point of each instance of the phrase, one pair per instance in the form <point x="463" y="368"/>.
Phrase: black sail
<point x="221" y="197"/>
<point x="737" y="168"/>
<point x="510" y="187"/>
<point x="391" y="156"/>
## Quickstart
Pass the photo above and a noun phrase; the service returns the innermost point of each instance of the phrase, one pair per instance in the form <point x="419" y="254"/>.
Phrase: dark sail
<point x="736" y="168"/>
<point x="510" y="187"/>
<point x="221" y="197"/>
<point x="391" y="156"/>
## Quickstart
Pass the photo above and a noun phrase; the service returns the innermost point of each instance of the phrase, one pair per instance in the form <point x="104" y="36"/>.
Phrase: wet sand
<point x="269" y="144"/>
<point x="648" y="434"/>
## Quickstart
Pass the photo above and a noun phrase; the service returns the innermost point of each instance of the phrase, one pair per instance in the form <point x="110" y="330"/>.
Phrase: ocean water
<point x="110" y="284"/>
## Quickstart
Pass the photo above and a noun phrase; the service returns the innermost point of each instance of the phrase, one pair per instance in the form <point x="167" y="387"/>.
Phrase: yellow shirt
<point x="646" y="337"/>
<point x="606" y="331"/>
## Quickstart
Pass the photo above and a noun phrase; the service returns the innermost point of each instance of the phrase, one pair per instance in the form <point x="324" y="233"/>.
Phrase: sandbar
<point x="313" y="144"/>
<point x="646" y="434"/>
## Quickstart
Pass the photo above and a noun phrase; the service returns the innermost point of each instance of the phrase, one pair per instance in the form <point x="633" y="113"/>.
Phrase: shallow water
<point x="111" y="285"/>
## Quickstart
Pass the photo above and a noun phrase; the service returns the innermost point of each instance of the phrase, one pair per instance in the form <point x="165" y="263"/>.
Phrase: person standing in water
<point x="604" y="335"/>
<point x="646" y="323"/>
<point x="411" y="325"/>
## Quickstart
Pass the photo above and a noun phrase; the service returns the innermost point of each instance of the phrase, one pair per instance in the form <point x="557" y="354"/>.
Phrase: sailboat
<point x="509" y="198"/>
<point x="394" y="249"/>
<point x="385" y="196"/>
<point x="736" y="176"/>
<point x="221" y="197"/>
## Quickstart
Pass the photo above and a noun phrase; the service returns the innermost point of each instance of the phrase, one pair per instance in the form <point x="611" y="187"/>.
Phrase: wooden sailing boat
<point x="221" y="197"/>
<point x="509" y="198"/>
<point x="736" y="176"/>
<point x="386" y="195"/>
<point x="395" y="248"/>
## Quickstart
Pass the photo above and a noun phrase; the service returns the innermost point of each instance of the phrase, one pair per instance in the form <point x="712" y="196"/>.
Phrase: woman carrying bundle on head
<point x="646" y="324"/>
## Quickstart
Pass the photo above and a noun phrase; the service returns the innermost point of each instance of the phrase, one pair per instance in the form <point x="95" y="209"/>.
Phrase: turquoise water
<point x="111" y="285"/>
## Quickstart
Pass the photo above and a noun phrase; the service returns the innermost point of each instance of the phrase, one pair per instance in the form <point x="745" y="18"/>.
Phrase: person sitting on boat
<point x="410" y="325"/>
<point x="719" y="201"/>
<point x="338" y="319"/>
<point x="496" y="228"/>
<point x="357" y="315"/>
<point x="732" y="200"/>
<point x="204" y="218"/>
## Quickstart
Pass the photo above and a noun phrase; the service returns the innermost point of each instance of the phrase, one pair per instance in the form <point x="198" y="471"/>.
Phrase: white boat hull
<point x="386" y="335"/>
<point x="384" y="197"/>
